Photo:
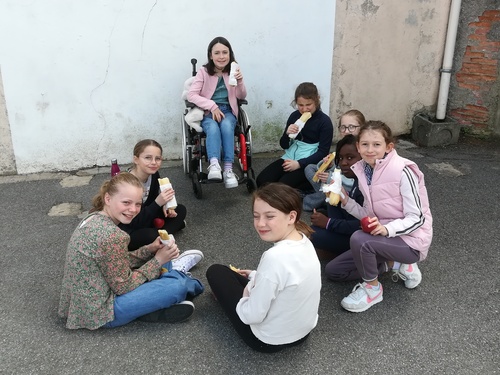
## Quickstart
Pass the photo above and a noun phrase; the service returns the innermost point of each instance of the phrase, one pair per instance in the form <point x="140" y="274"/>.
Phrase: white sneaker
<point x="230" y="180"/>
<point x="214" y="172"/>
<point x="187" y="260"/>
<point x="362" y="297"/>
<point x="409" y="273"/>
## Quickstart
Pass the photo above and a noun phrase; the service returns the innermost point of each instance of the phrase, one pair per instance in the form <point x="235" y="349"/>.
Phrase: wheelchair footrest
<point x="204" y="179"/>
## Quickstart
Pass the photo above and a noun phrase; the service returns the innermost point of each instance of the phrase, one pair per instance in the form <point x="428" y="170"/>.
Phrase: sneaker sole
<point x="174" y="314"/>
<point x="413" y="283"/>
<point x="355" y="309"/>
<point x="214" y="178"/>
<point x="231" y="185"/>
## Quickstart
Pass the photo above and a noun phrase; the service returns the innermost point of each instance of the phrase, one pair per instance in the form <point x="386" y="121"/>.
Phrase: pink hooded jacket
<point x="383" y="199"/>
<point x="203" y="88"/>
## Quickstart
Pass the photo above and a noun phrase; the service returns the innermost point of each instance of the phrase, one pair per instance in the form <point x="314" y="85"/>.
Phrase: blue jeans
<point x="218" y="133"/>
<point x="170" y="288"/>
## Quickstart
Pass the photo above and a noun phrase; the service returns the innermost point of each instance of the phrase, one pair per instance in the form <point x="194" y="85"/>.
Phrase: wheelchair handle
<point x="193" y="63"/>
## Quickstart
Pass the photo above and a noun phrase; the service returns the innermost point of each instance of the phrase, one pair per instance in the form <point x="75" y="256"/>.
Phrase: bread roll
<point x="323" y="167"/>
<point x="163" y="234"/>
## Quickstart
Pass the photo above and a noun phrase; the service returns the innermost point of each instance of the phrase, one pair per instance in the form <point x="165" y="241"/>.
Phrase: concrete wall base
<point x="429" y="132"/>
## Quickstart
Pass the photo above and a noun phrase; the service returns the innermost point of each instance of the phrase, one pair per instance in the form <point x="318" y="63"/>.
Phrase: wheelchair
<point x="194" y="152"/>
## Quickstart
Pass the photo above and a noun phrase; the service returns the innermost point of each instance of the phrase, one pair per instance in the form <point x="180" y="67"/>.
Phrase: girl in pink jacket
<point x="399" y="232"/>
<point x="213" y="92"/>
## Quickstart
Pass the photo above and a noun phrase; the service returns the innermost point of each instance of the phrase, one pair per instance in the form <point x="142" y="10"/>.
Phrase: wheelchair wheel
<point x="195" y="180"/>
<point x="251" y="185"/>
<point x="186" y="151"/>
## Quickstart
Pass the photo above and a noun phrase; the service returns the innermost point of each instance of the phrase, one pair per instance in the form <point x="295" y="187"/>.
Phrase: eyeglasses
<point x="150" y="159"/>
<point x="351" y="128"/>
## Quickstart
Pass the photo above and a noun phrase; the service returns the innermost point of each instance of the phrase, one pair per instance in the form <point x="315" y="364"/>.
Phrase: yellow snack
<point x="300" y="123"/>
<point x="323" y="167"/>
<point x="164" y="181"/>
<point x="163" y="234"/>
<point x="233" y="268"/>
<point x="333" y="199"/>
<point x="334" y="190"/>
<point x="305" y="116"/>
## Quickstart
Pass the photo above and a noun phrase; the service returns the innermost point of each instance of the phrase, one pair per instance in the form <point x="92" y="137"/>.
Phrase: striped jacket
<point x="397" y="196"/>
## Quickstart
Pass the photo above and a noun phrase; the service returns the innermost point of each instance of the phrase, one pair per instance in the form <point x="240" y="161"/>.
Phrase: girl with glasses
<point x="349" y="123"/>
<point x="143" y="229"/>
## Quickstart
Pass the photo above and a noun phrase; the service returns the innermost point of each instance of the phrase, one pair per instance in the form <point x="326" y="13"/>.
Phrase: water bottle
<point x="115" y="169"/>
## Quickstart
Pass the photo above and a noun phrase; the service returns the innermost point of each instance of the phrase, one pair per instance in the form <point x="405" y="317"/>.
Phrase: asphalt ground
<point x="448" y="325"/>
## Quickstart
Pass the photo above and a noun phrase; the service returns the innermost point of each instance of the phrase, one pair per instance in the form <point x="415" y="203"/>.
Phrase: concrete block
<point x="429" y="132"/>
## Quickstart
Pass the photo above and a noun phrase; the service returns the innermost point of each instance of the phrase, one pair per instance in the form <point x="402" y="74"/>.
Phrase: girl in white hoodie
<point x="276" y="305"/>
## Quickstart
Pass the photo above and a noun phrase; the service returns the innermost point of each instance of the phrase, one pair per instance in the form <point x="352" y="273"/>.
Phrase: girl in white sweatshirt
<point x="276" y="305"/>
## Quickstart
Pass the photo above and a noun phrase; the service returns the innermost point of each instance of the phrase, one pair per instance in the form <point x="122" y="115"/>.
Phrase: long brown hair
<point x="210" y="66"/>
<point x="285" y="199"/>
<point x="307" y="90"/>
<point x="112" y="186"/>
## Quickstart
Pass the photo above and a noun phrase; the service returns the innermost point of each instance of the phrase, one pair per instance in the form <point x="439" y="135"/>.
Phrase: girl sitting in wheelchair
<point x="211" y="91"/>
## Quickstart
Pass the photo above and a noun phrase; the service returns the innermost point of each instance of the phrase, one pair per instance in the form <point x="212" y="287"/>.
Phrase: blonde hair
<point x="354" y="113"/>
<point x="112" y="186"/>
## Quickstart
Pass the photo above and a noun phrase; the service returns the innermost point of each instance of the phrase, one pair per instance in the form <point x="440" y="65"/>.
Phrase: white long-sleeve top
<point x="284" y="292"/>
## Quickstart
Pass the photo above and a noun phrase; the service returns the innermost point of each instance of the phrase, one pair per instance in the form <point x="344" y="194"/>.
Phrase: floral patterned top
<point x="98" y="267"/>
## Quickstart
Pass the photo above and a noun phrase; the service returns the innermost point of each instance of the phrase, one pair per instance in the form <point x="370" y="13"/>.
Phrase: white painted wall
<point x="84" y="80"/>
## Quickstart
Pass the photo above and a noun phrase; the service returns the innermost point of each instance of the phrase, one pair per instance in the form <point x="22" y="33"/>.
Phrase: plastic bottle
<point x="115" y="169"/>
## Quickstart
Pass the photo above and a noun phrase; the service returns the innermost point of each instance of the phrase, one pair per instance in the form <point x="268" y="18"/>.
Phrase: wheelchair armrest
<point x="189" y="104"/>
<point x="242" y="101"/>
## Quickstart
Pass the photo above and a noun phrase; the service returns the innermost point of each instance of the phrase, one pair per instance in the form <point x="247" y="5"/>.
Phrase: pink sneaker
<point x="362" y="297"/>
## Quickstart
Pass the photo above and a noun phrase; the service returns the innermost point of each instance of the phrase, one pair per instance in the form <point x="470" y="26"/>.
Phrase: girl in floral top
<point x="105" y="285"/>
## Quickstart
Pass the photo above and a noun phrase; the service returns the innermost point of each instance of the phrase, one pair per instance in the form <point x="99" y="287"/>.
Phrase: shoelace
<point x="230" y="174"/>
<point x="396" y="275"/>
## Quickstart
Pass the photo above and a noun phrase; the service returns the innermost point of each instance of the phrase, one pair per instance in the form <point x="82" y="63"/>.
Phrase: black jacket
<point x="340" y="220"/>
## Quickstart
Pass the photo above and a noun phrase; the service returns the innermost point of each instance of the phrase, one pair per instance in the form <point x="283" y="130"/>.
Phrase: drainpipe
<point x="449" y="50"/>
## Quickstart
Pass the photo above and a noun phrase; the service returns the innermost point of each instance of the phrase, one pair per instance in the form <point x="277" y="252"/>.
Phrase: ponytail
<point x="111" y="187"/>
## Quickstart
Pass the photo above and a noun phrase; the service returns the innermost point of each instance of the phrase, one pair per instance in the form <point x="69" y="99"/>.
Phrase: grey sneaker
<point x="409" y="273"/>
<point x="187" y="260"/>
<point x="174" y="314"/>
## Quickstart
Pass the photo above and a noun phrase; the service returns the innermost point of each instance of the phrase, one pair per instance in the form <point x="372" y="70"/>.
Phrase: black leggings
<point x="274" y="173"/>
<point x="145" y="236"/>
<point x="227" y="286"/>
